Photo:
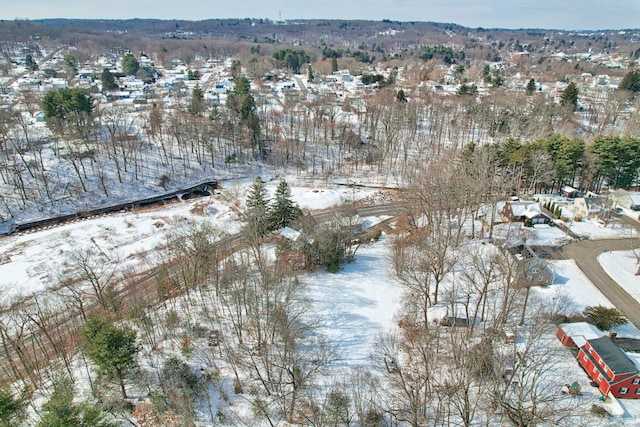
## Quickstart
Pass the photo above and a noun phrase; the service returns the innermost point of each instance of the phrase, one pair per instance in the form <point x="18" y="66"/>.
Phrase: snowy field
<point x="32" y="262"/>
<point x="357" y="304"/>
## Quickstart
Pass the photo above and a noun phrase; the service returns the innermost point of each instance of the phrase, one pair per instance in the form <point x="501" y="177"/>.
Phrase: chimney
<point x="613" y="335"/>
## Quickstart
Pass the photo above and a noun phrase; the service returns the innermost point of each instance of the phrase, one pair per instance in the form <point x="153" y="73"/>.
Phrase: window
<point x="599" y="376"/>
<point x="623" y="390"/>
<point x="636" y="381"/>
<point x="638" y="391"/>
<point x="534" y="270"/>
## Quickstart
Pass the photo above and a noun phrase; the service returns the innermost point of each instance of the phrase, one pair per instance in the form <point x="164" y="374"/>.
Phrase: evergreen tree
<point x="334" y="64"/>
<point x="569" y="97"/>
<point x="531" y="87"/>
<point x="257" y="197"/>
<point x="468" y="89"/>
<point x="257" y="209"/>
<point x="631" y="81"/>
<point x="108" y="80"/>
<point x="30" y="63"/>
<point x="60" y="411"/>
<point x="401" y="97"/>
<point x="112" y="348"/>
<point x="11" y="408"/>
<point x="605" y="318"/>
<point x="130" y="65"/>
<point x="72" y="106"/>
<point x="309" y="74"/>
<point x="282" y="210"/>
<point x="197" y="104"/>
<point x="242" y="102"/>
<point x="71" y="62"/>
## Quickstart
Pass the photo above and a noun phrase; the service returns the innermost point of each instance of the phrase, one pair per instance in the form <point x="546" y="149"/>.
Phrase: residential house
<point x="535" y="271"/>
<point x="569" y="192"/>
<point x="627" y="199"/>
<point x="520" y="211"/>
<point x="576" y="334"/>
<point x="610" y="367"/>
<point x="590" y="207"/>
<point x="532" y="270"/>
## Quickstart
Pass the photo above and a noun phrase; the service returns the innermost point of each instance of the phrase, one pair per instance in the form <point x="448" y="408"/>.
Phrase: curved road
<point x="585" y="253"/>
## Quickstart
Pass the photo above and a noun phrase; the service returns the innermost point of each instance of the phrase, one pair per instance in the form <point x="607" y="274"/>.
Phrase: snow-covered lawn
<point x="621" y="267"/>
<point x="570" y="282"/>
<point x="538" y="235"/>
<point x="358" y="303"/>
<point x="592" y="229"/>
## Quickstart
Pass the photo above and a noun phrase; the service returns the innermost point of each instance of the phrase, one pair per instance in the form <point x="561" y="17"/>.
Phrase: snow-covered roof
<point x="522" y="208"/>
<point x="290" y="233"/>
<point x="635" y="198"/>
<point x="580" y="332"/>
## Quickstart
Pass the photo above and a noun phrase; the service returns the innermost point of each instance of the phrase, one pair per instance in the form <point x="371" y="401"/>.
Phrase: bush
<point x="599" y="411"/>
<point x="605" y="318"/>
<point x="577" y="218"/>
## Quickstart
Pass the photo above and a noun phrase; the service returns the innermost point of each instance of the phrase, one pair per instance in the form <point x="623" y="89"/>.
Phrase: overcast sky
<point x="557" y="14"/>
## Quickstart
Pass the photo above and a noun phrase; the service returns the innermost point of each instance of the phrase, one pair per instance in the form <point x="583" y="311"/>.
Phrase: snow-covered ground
<point x="32" y="262"/>
<point x="621" y="266"/>
<point x="592" y="229"/>
<point x="538" y="235"/>
<point x="358" y="303"/>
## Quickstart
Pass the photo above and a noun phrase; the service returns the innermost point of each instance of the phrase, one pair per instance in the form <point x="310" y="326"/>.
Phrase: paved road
<point x="586" y="253"/>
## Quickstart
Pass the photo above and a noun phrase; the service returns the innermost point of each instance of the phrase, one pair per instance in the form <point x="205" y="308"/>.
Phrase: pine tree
<point x="60" y="411"/>
<point x="130" y="65"/>
<point x="569" y="97"/>
<point x="197" y="105"/>
<point x="605" y="318"/>
<point x="108" y="80"/>
<point x="531" y="87"/>
<point x="631" y="81"/>
<point x="334" y="64"/>
<point x="112" y="348"/>
<point x="257" y="196"/>
<point x="11" y="408"/>
<point x="257" y="209"/>
<point x="282" y="210"/>
<point x="401" y="97"/>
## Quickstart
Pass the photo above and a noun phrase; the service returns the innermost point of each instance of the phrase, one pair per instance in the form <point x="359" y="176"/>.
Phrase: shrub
<point x="605" y="318"/>
<point x="599" y="411"/>
<point x="577" y="218"/>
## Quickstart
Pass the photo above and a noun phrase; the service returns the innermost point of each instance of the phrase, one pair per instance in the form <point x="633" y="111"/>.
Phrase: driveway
<point x="585" y="253"/>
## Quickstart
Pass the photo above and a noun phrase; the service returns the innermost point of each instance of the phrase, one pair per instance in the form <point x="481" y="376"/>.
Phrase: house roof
<point x="290" y="233"/>
<point x="635" y="198"/>
<point x="522" y="208"/>
<point x="568" y="189"/>
<point x="615" y="358"/>
<point x="580" y="332"/>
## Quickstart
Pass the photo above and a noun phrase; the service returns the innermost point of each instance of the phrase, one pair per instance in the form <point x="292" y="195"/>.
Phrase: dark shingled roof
<point x="613" y="356"/>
